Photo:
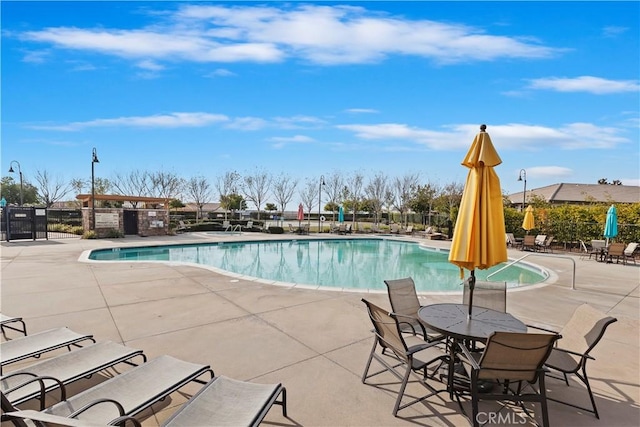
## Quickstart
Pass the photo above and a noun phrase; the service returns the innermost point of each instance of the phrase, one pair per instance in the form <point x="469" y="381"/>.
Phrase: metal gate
<point x="20" y="222"/>
<point x="130" y="221"/>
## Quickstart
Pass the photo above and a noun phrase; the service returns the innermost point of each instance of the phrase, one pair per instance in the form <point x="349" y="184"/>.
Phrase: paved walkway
<point x="315" y="342"/>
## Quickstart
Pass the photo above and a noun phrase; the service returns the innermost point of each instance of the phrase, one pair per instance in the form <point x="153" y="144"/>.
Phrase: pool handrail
<point x="573" y="276"/>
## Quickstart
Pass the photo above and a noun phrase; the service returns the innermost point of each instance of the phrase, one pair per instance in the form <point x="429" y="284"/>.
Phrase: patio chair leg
<point x="401" y="392"/>
<point x="368" y="365"/>
<point x="543" y="401"/>
<point x="585" y="380"/>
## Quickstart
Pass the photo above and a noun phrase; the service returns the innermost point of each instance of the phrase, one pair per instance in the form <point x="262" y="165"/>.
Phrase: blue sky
<point x="308" y="88"/>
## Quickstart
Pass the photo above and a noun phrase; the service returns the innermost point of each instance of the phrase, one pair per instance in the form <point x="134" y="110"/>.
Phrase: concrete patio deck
<point x="315" y="342"/>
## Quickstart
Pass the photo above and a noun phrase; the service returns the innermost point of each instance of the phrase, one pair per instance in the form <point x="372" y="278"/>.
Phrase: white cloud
<point x="299" y="122"/>
<point x="282" y="141"/>
<point x="320" y="34"/>
<point x="509" y="136"/>
<point x="220" y="72"/>
<point x="613" y="31"/>
<point x="362" y="111"/>
<point x="247" y="123"/>
<point x="548" y="172"/>
<point x="150" y="65"/>
<point x="590" y="84"/>
<point x="172" y="120"/>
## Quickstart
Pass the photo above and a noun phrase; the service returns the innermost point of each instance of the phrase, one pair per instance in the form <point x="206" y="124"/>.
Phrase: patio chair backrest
<point x="403" y="296"/>
<point x="598" y="244"/>
<point x="540" y="239"/>
<point x="585" y="329"/>
<point x="515" y="356"/>
<point x="631" y="249"/>
<point x="492" y="295"/>
<point x="616" y="249"/>
<point x="387" y="330"/>
<point x="510" y="239"/>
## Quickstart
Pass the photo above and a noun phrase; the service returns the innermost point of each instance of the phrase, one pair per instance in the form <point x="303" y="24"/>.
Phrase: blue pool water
<point x="340" y="263"/>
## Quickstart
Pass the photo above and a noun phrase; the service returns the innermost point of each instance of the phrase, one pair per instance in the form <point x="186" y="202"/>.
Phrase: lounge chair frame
<point x="35" y="345"/>
<point x="127" y="394"/>
<point x="225" y="401"/>
<point x="55" y="373"/>
<point x="7" y="322"/>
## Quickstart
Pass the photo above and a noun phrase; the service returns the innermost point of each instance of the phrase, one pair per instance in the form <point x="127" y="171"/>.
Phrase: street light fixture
<point x="19" y="173"/>
<point x="523" y="177"/>
<point x="320" y="200"/>
<point x="94" y="160"/>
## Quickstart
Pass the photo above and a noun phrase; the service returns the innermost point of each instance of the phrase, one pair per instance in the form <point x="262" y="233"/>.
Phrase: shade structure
<point x="611" y="223"/>
<point x="300" y="212"/>
<point x="478" y="239"/>
<point x="341" y="214"/>
<point x="529" y="222"/>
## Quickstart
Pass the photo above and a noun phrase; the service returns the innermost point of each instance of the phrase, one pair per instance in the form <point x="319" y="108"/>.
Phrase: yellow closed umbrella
<point x="528" y="223"/>
<point x="478" y="239"/>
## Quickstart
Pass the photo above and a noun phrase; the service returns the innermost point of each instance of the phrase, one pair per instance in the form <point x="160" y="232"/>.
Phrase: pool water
<point x="342" y="263"/>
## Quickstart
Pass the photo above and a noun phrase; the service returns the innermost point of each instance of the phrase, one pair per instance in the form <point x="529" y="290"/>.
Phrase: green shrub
<point x="114" y="234"/>
<point x="90" y="234"/>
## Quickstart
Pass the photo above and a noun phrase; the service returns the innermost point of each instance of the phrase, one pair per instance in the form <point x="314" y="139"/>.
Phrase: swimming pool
<point x="348" y="264"/>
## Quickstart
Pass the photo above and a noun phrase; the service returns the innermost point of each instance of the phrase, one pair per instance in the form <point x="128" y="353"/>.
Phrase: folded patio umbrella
<point x="611" y="224"/>
<point x="478" y="239"/>
<point x="528" y="222"/>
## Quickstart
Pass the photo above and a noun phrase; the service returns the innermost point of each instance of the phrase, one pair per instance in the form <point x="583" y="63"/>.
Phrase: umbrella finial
<point x="483" y="128"/>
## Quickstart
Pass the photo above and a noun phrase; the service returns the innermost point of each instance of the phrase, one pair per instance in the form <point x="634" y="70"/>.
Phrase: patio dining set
<point x="479" y="352"/>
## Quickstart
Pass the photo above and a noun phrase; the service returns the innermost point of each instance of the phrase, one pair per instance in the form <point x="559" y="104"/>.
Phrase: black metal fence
<point x="32" y="223"/>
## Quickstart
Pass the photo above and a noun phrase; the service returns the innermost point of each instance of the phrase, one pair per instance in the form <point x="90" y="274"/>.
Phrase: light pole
<point x="320" y="200"/>
<point x="94" y="160"/>
<point x="19" y="173"/>
<point x="523" y="177"/>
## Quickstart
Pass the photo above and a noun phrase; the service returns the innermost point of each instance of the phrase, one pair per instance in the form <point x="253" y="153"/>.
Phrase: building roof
<point x="86" y="199"/>
<point x="582" y="193"/>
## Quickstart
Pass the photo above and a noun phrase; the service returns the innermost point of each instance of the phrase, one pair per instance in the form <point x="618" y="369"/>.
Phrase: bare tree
<point x="283" y="188"/>
<point x="226" y="185"/>
<point x="166" y="185"/>
<point x="452" y="194"/>
<point x="50" y="188"/>
<point x="199" y="190"/>
<point x="77" y="185"/>
<point x="334" y="189"/>
<point x="376" y="191"/>
<point x="354" y="183"/>
<point x="256" y="188"/>
<point x="403" y="192"/>
<point x="134" y="183"/>
<point x="309" y="196"/>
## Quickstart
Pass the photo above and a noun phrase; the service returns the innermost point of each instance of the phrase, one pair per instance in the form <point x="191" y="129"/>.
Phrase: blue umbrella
<point x="611" y="225"/>
<point x="341" y="215"/>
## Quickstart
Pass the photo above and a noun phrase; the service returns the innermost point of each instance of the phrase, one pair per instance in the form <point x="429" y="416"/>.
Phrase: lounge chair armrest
<point x="39" y="379"/>
<point x="575" y="353"/>
<point x="90" y="405"/>
<point x="46" y="418"/>
<point x="122" y="421"/>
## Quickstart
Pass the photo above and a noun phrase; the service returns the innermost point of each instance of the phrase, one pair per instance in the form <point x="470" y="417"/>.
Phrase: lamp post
<point x="94" y="160"/>
<point x="320" y="199"/>
<point x="523" y="177"/>
<point x="19" y="173"/>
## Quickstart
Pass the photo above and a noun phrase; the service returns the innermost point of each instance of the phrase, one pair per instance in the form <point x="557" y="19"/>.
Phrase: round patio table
<point x="453" y="321"/>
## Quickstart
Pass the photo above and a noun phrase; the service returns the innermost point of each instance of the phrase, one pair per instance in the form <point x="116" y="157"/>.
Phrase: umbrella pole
<point x="472" y="285"/>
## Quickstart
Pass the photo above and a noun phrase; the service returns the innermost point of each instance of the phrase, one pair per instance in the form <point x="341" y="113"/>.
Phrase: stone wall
<point x="151" y="222"/>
